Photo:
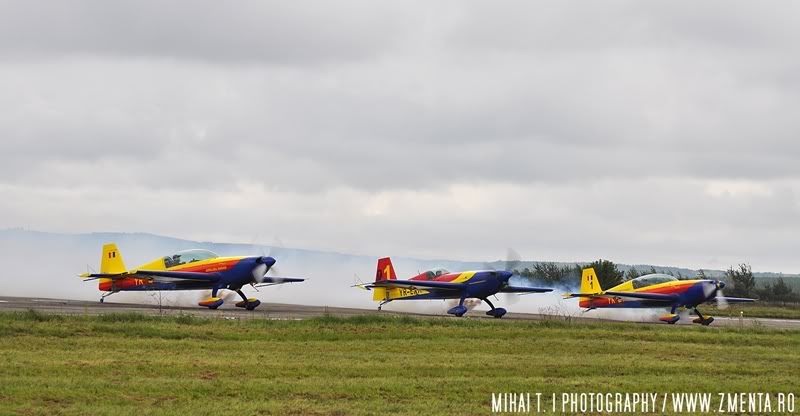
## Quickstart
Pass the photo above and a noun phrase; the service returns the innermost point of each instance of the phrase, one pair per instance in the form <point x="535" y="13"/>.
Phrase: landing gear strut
<point x="380" y="305"/>
<point x="671" y="317"/>
<point x="249" y="304"/>
<point x="459" y="310"/>
<point x="496" y="312"/>
<point x="105" y="295"/>
<point x="702" y="320"/>
<point x="213" y="302"/>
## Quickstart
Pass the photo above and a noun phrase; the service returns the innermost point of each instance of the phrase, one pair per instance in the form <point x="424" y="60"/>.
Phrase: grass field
<point x="757" y="310"/>
<point x="137" y="365"/>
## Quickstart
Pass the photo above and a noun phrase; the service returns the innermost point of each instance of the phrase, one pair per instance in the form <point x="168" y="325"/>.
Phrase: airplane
<point x="195" y="269"/>
<point x="441" y="284"/>
<point x="654" y="291"/>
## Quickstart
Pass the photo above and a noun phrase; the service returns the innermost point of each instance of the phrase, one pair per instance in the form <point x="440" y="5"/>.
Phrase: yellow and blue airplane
<point x="441" y="284"/>
<point x="188" y="270"/>
<point x="654" y="291"/>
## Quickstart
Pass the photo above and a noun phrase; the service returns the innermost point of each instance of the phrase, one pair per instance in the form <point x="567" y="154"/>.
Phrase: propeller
<point x="264" y="265"/>
<point x="513" y="260"/>
<point x="721" y="302"/>
<point x="713" y="291"/>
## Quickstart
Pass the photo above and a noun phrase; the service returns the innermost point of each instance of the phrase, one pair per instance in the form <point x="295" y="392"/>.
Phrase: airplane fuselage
<point x="689" y="293"/>
<point x="233" y="273"/>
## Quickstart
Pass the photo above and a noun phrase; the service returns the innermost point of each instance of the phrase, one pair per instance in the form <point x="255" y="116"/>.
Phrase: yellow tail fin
<point x="589" y="282"/>
<point x="111" y="262"/>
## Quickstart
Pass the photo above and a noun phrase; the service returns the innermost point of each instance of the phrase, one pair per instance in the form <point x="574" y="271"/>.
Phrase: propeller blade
<point x="721" y="302"/>
<point x="513" y="259"/>
<point x="259" y="271"/>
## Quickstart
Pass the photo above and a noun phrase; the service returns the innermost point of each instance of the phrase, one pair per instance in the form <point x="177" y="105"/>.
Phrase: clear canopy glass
<point x="188" y="256"/>
<point x="434" y="273"/>
<point x="652" y="279"/>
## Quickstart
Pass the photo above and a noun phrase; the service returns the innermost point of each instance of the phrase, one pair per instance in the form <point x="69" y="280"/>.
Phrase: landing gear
<point x="702" y="320"/>
<point x="105" y="295"/>
<point x="459" y="310"/>
<point x="496" y="312"/>
<point x="213" y="302"/>
<point x="380" y="305"/>
<point x="671" y="317"/>
<point x="247" y="303"/>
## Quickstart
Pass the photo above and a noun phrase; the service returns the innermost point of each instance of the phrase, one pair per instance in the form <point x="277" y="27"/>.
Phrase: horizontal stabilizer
<point x="363" y="286"/>
<point x="92" y="276"/>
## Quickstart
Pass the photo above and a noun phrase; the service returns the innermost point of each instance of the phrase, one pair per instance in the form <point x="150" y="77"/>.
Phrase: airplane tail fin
<point x="589" y="282"/>
<point x="385" y="272"/>
<point x="590" y="285"/>
<point x="111" y="262"/>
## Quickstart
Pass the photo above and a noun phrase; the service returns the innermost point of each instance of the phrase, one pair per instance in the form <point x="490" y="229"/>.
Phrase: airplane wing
<point x="157" y="275"/>
<point x="424" y="284"/>
<point x="635" y="295"/>
<point x="163" y="275"/>
<point x="273" y="280"/>
<point x="519" y="289"/>
<point x="733" y="300"/>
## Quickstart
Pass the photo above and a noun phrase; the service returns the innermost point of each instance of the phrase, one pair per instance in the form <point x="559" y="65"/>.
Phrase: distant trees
<point x="607" y="273"/>
<point x="632" y="274"/>
<point x="742" y="279"/>
<point x="778" y="291"/>
<point x="551" y="273"/>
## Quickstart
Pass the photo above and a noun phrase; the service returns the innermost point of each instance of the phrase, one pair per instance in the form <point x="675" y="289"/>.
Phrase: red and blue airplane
<point x="441" y="284"/>
<point x="654" y="291"/>
<point x="188" y="270"/>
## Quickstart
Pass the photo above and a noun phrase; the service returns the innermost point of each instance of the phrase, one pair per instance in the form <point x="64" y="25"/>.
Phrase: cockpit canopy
<point x="652" y="279"/>
<point x="434" y="273"/>
<point x="188" y="256"/>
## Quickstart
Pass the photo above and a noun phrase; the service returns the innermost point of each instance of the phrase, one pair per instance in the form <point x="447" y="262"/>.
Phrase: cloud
<point x="245" y="31"/>
<point x="641" y="132"/>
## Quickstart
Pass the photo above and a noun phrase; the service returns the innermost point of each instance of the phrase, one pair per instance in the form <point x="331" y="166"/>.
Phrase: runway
<point x="290" y="312"/>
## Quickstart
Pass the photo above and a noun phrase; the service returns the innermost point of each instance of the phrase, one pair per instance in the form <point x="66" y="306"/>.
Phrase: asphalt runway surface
<point x="285" y="311"/>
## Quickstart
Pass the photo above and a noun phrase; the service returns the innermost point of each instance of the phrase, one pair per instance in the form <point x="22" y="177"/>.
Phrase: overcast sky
<point x="642" y="132"/>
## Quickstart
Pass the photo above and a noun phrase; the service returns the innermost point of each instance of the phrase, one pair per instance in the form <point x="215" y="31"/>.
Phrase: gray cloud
<point x="246" y="31"/>
<point x="645" y="131"/>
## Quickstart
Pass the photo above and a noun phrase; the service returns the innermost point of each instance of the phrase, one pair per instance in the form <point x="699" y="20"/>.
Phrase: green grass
<point x="756" y="310"/>
<point x="129" y="364"/>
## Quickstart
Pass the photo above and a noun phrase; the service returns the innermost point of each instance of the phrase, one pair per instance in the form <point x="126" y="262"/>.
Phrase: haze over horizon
<point x="644" y="133"/>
